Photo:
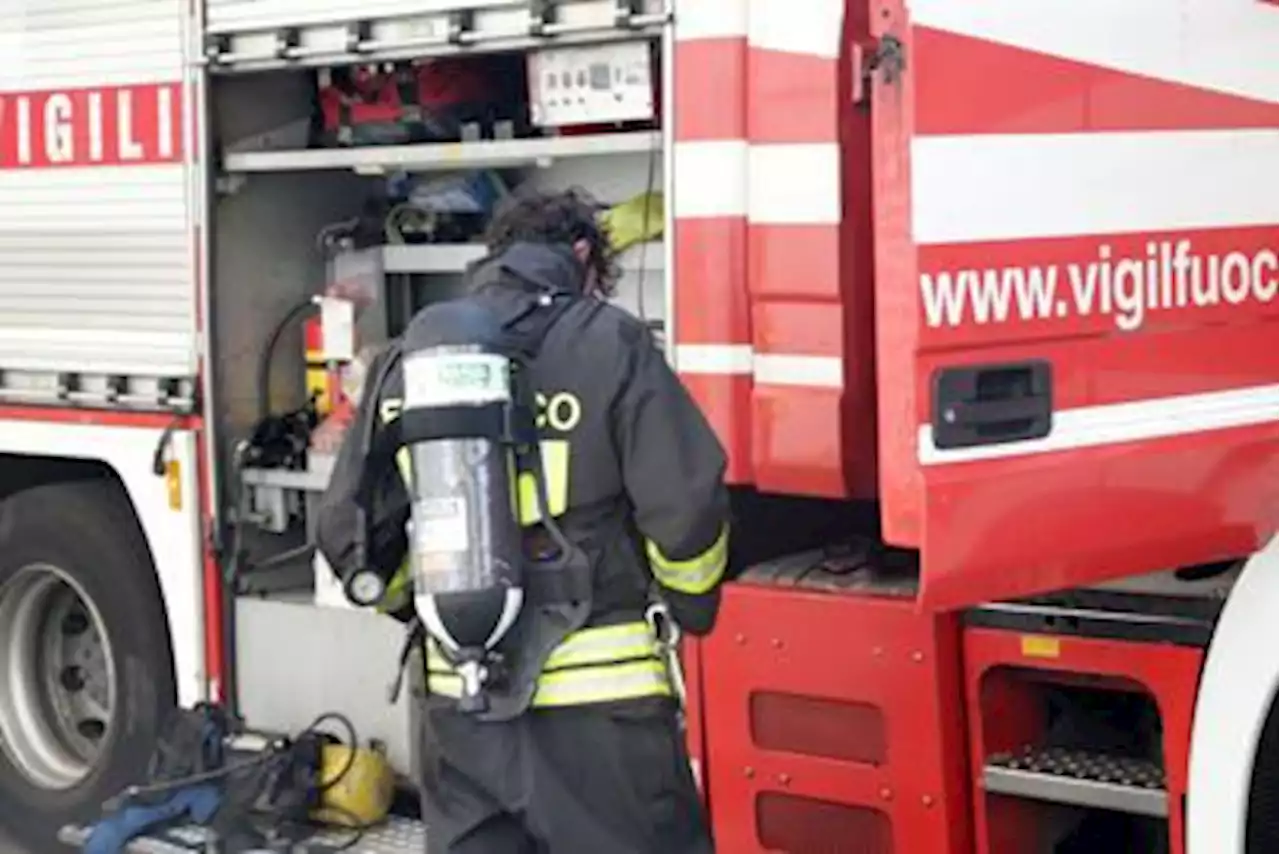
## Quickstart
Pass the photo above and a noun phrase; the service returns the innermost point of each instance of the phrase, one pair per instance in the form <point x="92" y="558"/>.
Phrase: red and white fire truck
<point x="980" y="297"/>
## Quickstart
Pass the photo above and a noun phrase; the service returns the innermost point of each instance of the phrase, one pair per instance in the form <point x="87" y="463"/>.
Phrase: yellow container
<point x="362" y="795"/>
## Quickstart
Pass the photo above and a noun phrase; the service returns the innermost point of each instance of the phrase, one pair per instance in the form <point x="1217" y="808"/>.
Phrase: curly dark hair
<point x="532" y="216"/>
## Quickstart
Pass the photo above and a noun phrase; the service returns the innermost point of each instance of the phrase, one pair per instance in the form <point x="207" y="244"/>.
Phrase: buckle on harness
<point x="492" y="670"/>
<point x="667" y="634"/>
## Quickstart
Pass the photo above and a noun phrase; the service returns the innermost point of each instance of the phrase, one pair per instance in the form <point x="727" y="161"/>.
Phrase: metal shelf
<point x="314" y="478"/>
<point x="1079" y="778"/>
<point x="444" y="157"/>
<point x="430" y="257"/>
<point x="454" y="257"/>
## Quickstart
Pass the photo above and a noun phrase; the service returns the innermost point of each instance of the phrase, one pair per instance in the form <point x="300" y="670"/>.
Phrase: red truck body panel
<point x="1022" y="190"/>
<point x="1097" y="210"/>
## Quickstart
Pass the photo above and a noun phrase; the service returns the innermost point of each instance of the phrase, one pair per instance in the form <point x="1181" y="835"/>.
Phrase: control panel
<point x="591" y="85"/>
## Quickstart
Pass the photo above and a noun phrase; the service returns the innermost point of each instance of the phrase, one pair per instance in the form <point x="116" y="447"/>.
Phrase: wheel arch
<point x="22" y="472"/>
<point x="1238" y="688"/>
<point x="34" y="453"/>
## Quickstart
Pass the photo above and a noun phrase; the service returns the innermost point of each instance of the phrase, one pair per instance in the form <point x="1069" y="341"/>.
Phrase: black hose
<point x="235" y="559"/>
<point x="267" y="356"/>
<point x="306" y="550"/>
<point x="230" y="668"/>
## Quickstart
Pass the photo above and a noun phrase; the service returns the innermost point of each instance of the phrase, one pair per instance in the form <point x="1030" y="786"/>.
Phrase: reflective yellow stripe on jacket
<point x="399" y="590"/>
<point x="696" y="575"/>
<point x="555" y="470"/>
<point x="595" y="665"/>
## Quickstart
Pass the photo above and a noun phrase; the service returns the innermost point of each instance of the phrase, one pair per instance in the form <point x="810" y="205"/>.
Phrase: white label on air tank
<point x="455" y="379"/>
<point x="440" y="525"/>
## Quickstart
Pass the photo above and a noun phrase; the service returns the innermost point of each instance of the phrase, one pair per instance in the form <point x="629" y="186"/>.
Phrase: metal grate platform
<point x="396" y="836"/>
<point x="1080" y="778"/>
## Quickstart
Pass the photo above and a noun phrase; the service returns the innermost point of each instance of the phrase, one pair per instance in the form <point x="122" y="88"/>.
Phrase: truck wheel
<point x="86" y="670"/>
<point x="1262" y="821"/>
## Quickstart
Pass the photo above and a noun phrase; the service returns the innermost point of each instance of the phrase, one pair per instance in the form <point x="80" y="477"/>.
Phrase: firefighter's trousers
<point x="610" y="778"/>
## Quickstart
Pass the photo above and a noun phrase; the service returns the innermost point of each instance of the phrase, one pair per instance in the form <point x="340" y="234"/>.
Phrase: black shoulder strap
<point x="526" y="328"/>
<point x="378" y="443"/>
<point x="525" y="345"/>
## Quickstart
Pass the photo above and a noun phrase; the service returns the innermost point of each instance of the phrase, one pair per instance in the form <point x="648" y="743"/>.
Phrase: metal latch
<point x="888" y="56"/>
<point x="542" y="15"/>
<point x="992" y="404"/>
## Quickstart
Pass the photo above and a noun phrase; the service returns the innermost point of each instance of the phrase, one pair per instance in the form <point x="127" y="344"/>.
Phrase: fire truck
<point x="979" y="297"/>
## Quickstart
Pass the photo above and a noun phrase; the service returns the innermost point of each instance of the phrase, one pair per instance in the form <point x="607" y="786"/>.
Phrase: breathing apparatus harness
<point x="468" y="427"/>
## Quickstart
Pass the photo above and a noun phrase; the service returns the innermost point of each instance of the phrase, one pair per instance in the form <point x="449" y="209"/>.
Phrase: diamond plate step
<point x="395" y="836"/>
<point x="1080" y="778"/>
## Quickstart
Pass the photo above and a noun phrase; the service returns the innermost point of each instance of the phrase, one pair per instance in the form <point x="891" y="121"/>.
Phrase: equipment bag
<point x="266" y="802"/>
<point x="184" y="782"/>
<point x="436" y="100"/>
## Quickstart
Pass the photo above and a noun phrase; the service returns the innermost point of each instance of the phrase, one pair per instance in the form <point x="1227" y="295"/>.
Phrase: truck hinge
<point x="634" y="14"/>
<point x="887" y="56"/>
<point x="542" y="14"/>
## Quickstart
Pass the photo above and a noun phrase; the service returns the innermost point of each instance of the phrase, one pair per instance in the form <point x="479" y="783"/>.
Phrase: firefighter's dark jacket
<point x="638" y="446"/>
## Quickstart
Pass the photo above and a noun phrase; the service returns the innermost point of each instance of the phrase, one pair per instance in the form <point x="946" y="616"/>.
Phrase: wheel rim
<point x="57" y="677"/>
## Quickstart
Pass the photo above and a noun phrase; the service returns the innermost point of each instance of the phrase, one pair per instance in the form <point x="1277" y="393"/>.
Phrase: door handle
<point x="992" y="404"/>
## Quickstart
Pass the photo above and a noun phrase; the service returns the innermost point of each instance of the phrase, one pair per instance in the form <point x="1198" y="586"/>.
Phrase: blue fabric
<point x="194" y="804"/>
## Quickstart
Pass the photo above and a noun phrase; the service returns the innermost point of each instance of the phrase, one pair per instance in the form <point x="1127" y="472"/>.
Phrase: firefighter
<point x="591" y="757"/>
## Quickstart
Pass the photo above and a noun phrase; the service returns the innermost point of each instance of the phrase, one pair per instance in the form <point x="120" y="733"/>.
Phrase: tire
<point x="77" y="545"/>
<point x="1262" y="821"/>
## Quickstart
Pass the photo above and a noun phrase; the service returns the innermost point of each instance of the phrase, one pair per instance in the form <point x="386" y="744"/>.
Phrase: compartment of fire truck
<point x="352" y="196"/>
<point x="1072" y="764"/>
<point x="348" y="195"/>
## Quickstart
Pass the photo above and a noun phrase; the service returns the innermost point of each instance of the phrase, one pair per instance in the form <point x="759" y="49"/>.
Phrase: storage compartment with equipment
<point x="353" y="187"/>
<point x="367" y="188"/>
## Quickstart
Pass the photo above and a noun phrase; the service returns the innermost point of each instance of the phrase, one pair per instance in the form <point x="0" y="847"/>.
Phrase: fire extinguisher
<point x="323" y="378"/>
